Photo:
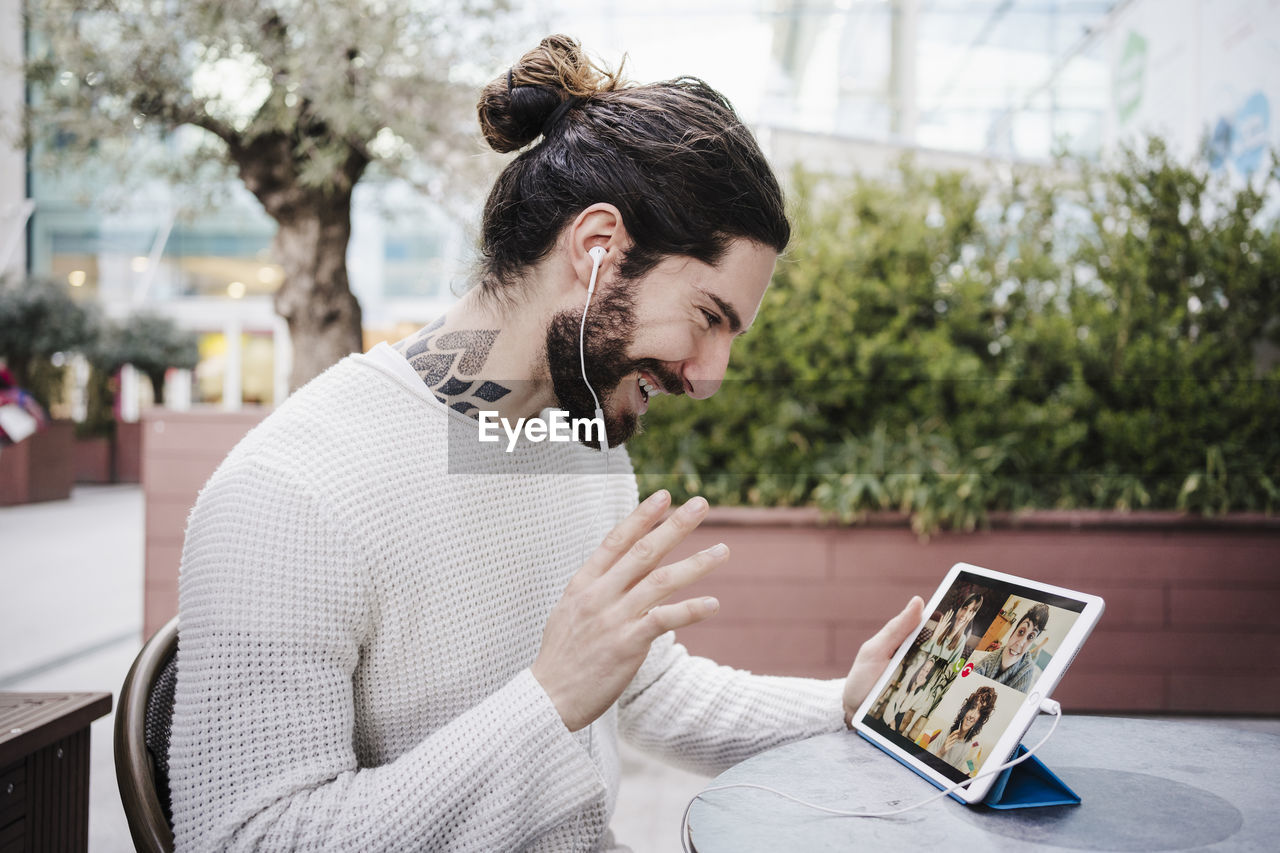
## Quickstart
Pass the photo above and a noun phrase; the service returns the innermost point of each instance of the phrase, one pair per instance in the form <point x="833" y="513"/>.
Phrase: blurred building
<point x="1197" y="72"/>
<point x="14" y="204"/>
<point x="215" y="274"/>
<point x="835" y="84"/>
<point x="142" y="249"/>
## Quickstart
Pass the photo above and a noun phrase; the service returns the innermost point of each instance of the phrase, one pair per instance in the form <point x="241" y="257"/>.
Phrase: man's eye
<point x="712" y="319"/>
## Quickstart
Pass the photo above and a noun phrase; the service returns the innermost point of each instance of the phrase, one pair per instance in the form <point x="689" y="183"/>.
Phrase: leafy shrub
<point x="39" y="319"/>
<point x="944" y="348"/>
<point x="151" y="343"/>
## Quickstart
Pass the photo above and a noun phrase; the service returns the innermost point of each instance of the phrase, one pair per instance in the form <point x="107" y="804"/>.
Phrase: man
<point x="1011" y="664"/>
<point x="390" y="636"/>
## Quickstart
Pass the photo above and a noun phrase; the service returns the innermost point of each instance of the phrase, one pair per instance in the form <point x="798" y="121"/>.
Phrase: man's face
<point x="671" y="331"/>
<point x="1023" y="634"/>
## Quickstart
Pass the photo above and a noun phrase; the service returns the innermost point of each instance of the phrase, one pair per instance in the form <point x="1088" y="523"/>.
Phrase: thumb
<point x="899" y="627"/>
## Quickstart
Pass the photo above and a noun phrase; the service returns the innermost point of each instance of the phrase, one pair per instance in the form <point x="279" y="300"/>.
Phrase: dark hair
<point x="985" y="698"/>
<point x="928" y="661"/>
<point x="973" y="596"/>
<point x="673" y="157"/>
<point x="1038" y="616"/>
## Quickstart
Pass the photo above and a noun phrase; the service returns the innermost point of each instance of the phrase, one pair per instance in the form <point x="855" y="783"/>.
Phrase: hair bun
<point x="514" y="107"/>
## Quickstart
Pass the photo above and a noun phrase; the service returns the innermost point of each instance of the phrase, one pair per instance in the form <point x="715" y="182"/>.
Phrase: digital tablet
<point x="962" y="691"/>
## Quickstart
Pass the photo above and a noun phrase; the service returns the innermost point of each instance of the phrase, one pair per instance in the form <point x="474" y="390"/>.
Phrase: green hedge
<point x="946" y="347"/>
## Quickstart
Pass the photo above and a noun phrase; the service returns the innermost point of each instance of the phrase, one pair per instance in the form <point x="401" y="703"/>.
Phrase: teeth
<point x="648" y="387"/>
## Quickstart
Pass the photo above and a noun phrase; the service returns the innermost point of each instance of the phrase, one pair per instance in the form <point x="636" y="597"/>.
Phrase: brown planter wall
<point x="1191" y="613"/>
<point x="1191" y="604"/>
<point x="41" y="468"/>
<point x="128" y="453"/>
<point x="93" y="460"/>
<point x="110" y="460"/>
<point x="179" y="452"/>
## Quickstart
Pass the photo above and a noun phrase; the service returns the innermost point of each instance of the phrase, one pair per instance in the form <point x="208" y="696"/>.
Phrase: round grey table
<point x="1145" y="784"/>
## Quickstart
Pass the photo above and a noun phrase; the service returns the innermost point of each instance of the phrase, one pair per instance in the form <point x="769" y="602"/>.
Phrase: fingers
<point x="647" y="551"/>
<point x="672" y="617"/>
<point x="664" y="581"/>
<point x="627" y="533"/>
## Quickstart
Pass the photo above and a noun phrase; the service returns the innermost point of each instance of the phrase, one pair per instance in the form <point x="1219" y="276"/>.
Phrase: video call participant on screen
<point x="912" y="698"/>
<point x="961" y="737"/>
<point x="952" y="635"/>
<point x="1012" y="665"/>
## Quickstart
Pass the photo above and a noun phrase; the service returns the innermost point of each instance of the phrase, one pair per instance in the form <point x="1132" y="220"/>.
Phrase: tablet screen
<point x="969" y="670"/>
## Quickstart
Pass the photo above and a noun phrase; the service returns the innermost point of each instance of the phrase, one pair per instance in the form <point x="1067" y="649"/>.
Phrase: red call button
<point x="968" y="668"/>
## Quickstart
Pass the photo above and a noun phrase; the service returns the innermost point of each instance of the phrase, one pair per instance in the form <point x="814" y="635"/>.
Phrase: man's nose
<point x="703" y="374"/>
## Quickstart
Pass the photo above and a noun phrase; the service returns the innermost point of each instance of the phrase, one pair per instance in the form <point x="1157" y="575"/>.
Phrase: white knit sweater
<point x="359" y="608"/>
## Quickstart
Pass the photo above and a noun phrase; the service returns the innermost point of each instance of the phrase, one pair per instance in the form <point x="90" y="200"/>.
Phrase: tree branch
<point x="200" y="118"/>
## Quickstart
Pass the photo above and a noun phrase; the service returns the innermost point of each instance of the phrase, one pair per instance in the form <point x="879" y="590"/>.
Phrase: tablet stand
<point x="1027" y="785"/>
<point x="1021" y="786"/>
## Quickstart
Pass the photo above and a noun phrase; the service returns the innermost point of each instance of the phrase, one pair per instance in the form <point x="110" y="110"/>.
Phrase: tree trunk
<point x="314" y="222"/>
<point x="156" y="377"/>
<point x="315" y="297"/>
<point x="20" y="368"/>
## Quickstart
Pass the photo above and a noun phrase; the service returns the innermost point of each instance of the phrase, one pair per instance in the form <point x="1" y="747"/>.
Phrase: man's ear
<point x="598" y="225"/>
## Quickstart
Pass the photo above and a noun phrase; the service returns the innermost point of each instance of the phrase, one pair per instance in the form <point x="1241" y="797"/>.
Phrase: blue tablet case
<point x="1021" y="786"/>
<point x="1028" y="784"/>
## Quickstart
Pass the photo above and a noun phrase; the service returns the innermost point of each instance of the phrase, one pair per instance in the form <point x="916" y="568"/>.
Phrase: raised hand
<point x="599" y="632"/>
<point x="944" y="624"/>
<point x="952" y="739"/>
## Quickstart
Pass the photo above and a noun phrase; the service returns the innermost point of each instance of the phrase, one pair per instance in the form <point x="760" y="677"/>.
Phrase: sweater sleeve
<point x="274" y="609"/>
<point x="706" y="717"/>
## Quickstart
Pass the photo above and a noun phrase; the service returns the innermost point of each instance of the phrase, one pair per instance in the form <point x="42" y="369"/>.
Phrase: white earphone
<point x="597" y="254"/>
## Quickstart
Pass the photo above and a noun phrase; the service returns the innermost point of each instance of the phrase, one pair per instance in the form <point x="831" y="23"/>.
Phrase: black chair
<point x="143" y="720"/>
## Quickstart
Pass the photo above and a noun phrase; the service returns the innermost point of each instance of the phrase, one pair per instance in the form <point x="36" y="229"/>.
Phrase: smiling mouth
<point x="648" y="386"/>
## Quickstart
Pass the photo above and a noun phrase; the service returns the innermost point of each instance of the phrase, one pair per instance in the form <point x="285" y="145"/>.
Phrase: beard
<point x="607" y="336"/>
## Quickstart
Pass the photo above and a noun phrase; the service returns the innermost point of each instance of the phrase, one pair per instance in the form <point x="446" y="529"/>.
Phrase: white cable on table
<point x="1048" y="706"/>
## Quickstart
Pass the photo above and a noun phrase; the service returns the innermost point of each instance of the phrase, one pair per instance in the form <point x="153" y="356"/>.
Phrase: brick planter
<point x="110" y="460"/>
<point x="1191" y="602"/>
<point x="93" y="460"/>
<point x="127" y="451"/>
<point x="179" y="452"/>
<point x="40" y="468"/>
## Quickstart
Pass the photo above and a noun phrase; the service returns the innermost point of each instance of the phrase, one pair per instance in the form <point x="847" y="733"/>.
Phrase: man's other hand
<point x="616" y="606"/>
<point x="875" y="653"/>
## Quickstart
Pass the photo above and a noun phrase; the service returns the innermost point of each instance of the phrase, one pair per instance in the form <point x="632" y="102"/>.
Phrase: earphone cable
<point x="604" y="445"/>
<point x="604" y="438"/>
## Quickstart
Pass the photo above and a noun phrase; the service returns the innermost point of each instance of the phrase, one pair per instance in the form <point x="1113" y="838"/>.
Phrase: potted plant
<point x="39" y="324"/>
<point x="153" y="345"/>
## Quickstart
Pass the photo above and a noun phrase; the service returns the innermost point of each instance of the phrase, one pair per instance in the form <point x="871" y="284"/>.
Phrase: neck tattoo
<point x="450" y="364"/>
